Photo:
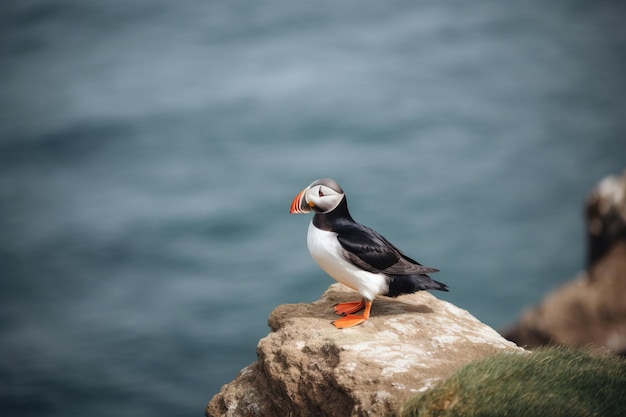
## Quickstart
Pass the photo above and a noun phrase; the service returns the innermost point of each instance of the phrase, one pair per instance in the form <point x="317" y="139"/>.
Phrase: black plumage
<point x="370" y="251"/>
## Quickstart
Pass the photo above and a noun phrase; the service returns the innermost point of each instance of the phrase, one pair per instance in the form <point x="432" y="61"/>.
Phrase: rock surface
<point x="591" y="310"/>
<point x="605" y="217"/>
<point x="307" y="367"/>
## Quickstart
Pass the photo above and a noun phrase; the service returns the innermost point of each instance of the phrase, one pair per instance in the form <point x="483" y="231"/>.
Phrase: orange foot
<point x="349" y="308"/>
<point x="352" y="319"/>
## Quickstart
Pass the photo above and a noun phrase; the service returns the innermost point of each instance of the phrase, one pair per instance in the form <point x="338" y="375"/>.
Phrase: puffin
<point x="356" y="255"/>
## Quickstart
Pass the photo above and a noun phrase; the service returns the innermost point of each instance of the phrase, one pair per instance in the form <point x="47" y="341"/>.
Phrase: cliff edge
<point x="591" y="309"/>
<point x="307" y="367"/>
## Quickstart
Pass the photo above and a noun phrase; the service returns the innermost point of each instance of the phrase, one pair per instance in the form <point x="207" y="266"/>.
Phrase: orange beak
<point x="299" y="204"/>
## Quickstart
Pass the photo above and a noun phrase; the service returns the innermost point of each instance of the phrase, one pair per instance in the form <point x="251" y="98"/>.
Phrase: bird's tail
<point x="408" y="284"/>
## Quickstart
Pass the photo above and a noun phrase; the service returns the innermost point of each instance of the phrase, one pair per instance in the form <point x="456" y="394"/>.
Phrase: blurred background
<point x="149" y="151"/>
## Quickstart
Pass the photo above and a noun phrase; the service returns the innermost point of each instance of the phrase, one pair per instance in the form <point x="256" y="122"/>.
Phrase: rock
<point x="591" y="310"/>
<point x="307" y="367"/>
<point x="605" y="217"/>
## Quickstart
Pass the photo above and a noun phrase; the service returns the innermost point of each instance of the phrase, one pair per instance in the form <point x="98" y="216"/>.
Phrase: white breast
<point x="328" y="253"/>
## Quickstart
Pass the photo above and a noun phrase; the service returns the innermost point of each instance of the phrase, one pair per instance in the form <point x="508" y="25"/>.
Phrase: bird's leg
<point x="352" y="319"/>
<point x="349" y="308"/>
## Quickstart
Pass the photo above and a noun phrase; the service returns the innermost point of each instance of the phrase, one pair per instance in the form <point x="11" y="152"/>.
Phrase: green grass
<point x="549" y="382"/>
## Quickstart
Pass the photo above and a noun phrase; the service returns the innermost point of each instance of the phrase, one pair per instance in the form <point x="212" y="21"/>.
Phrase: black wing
<point x="370" y="251"/>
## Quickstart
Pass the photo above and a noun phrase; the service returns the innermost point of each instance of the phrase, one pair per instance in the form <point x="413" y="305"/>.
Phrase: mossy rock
<point x="549" y="382"/>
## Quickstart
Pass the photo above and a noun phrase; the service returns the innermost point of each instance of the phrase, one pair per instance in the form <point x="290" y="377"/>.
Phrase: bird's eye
<point x="320" y="193"/>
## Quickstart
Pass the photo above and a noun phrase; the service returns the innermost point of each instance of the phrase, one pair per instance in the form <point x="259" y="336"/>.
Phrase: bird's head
<point x="321" y="196"/>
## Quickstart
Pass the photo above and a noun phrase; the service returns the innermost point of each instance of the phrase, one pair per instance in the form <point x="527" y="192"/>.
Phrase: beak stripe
<point x="297" y="203"/>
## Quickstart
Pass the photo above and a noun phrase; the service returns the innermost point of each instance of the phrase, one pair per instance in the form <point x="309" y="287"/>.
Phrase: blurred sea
<point x="149" y="151"/>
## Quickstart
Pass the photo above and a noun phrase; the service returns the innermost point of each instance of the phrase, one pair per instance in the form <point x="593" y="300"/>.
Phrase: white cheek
<point x="315" y="199"/>
<point x="325" y="203"/>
